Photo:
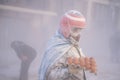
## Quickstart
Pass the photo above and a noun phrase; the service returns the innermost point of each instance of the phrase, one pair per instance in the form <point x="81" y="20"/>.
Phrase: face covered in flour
<point x="75" y="33"/>
<point x="71" y="24"/>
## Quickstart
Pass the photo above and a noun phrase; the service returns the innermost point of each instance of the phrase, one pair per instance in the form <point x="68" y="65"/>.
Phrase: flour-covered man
<point x="63" y="58"/>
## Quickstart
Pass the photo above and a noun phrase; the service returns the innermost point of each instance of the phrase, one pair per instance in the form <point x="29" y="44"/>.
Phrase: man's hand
<point x="90" y="64"/>
<point x="73" y="65"/>
<point x="93" y="68"/>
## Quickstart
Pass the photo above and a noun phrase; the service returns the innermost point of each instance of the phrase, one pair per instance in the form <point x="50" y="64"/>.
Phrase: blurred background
<point x="28" y="24"/>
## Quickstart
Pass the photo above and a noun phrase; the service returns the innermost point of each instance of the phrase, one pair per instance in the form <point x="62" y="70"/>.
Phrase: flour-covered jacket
<point x="57" y="47"/>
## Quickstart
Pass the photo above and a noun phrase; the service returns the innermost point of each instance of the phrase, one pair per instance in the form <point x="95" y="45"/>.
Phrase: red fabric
<point x="66" y="23"/>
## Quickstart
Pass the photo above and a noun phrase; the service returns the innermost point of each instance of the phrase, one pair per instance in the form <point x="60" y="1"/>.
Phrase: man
<point x="63" y="59"/>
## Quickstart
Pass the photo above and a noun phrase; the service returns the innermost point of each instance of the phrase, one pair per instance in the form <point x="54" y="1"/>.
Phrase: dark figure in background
<point x="26" y="54"/>
<point x="115" y="46"/>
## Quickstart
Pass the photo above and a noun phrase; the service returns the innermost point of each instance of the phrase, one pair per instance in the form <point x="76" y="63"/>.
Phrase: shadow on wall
<point x="26" y="54"/>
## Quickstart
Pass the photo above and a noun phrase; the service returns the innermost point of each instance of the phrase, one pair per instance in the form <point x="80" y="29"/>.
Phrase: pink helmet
<point x="70" y="19"/>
